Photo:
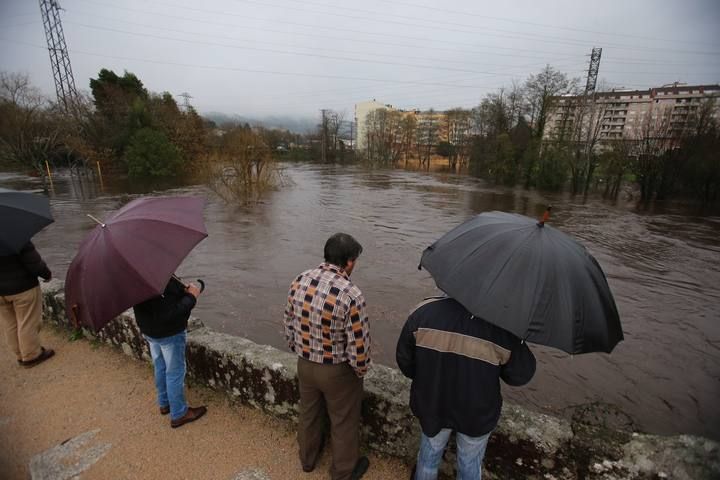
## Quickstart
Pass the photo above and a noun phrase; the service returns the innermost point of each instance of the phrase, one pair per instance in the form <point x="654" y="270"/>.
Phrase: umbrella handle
<point x="74" y="316"/>
<point x="202" y="285"/>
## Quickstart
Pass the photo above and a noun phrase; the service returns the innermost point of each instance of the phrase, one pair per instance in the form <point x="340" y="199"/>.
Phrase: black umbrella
<point x="22" y="215"/>
<point x="528" y="278"/>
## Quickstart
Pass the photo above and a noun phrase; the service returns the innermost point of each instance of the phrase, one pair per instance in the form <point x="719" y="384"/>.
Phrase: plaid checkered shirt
<point x="325" y="320"/>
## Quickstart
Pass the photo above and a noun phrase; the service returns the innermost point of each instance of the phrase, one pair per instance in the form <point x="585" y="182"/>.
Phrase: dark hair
<point x="340" y="248"/>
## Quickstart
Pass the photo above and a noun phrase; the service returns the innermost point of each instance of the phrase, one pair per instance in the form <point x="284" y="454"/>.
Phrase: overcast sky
<point x="294" y="57"/>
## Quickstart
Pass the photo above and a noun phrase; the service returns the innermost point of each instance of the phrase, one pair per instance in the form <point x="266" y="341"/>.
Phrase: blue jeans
<point x="168" y="356"/>
<point x="470" y="453"/>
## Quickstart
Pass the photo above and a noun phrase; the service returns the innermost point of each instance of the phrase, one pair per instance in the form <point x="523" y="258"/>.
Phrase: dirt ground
<point x="87" y="387"/>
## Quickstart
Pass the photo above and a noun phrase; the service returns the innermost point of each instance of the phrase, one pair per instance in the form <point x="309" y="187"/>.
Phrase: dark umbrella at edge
<point x="22" y="214"/>
<point x="532" y="280"/>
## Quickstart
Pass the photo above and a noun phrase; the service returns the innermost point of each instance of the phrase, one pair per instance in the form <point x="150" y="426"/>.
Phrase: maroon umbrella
<point x="131" y="257"/>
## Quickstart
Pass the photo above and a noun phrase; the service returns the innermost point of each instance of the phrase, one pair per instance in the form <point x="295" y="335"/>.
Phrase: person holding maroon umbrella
<point x="129" y="260"/>
<point x="163" y="323"/>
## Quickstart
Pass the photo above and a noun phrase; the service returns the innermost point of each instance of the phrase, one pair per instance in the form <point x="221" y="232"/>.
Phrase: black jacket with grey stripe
<point x="456" y="361"/>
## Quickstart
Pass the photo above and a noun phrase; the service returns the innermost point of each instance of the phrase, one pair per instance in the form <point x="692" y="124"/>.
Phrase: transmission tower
<point x="59" y="58"/>
<point x="593" y="71"/>
<point x="186" y="100"/>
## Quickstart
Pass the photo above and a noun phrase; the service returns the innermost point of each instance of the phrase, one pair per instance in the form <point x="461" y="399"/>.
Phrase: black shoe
<point x="317" y="457"/>
<point x="361" y="467"/>
<point x="192" y="414"/>
<point x="44" y="355"/>
<point x="412" y="474"/>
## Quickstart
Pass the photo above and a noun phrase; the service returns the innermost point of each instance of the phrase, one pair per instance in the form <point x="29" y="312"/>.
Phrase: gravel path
<point x="91" y="410"/>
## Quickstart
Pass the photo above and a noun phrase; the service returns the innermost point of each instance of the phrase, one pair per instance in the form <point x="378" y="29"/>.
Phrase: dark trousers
<point x="337" y="388"/>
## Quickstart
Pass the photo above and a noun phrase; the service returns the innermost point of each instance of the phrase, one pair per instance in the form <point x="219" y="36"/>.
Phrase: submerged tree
<point x="242" y="169"/>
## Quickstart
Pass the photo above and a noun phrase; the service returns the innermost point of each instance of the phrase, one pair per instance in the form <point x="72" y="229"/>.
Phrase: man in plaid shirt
<point x="326" y="326"/>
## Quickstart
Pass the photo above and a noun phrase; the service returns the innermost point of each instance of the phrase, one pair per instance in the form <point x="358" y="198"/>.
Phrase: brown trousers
<point x="20" y="315"/>
<point x="340" y="390"/>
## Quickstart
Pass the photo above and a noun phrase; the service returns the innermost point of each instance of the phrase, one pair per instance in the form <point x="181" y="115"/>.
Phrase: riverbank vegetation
<point x="121" y="127"/>
<point x="508" y="140"/>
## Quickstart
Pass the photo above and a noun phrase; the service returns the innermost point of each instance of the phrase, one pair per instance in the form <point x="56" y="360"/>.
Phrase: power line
<point x="593" y="71"/>
<point x="575" y="42"/>
<point x="248" y="70"/>
<point x="542" y="25"/>
<point x="283" y="52"/>
<point x="374" y="92"/>
<point x="24" y="24"/>
<point x="186" y="97"/>
<point x="628" y="61"/>
<point x="57" y="48"/>
<point x="375" y="54"/>
<point x="279" y="73"/>
<point x="424" y="43"/>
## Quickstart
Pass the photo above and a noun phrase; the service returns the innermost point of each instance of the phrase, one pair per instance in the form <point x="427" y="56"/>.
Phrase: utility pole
<point x="593" y="70"/>
<point x="186" y="103"/>
<point x="323" y="127"/>
<point x="59" y="58"/>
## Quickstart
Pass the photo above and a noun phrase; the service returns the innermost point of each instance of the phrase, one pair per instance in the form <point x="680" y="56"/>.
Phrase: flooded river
<point x="663" y="268"/>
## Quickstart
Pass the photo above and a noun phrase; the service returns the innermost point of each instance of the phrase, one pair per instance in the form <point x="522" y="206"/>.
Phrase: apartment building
<point x="361" y="112"/>
<point x="626" y="114"/>
<point x="432" y="127"/>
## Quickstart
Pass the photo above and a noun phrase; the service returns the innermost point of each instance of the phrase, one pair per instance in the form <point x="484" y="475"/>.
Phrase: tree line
<point x="122" y="127"/>
<point x="506" y="139"/>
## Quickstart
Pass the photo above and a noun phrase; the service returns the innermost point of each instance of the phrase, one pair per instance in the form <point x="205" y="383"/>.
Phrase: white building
<point x="622" y="114"/>
<point x="361" y="111"/>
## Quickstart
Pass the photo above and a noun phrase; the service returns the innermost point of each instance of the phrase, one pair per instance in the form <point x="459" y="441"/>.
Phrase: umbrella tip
<point x="96" y="220"/>
<point x="545" y="217"/>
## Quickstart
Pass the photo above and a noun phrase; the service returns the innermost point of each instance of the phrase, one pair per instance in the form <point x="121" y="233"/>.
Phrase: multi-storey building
<point x="431" y="126"/>
<point x="361" y="112"/>
<point x="629" y="114"/>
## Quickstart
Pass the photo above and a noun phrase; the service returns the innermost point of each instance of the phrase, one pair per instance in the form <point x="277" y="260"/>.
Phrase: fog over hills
<point x="293" y="124"/>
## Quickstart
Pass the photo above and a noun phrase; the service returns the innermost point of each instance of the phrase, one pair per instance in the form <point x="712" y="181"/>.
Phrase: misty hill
<point x="293" y="124"/>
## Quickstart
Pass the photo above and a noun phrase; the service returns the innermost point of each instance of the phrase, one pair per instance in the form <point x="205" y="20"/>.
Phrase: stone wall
<point x="526" y="444"/>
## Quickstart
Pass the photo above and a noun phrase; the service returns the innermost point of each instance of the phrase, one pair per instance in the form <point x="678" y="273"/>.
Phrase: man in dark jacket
<point x="21" y="304"/>
<point x="456" y="361"/>
<point x="163" y="321"/>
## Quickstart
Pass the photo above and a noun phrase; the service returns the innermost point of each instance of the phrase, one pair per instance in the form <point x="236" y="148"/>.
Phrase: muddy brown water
<point x="663" y="266"/>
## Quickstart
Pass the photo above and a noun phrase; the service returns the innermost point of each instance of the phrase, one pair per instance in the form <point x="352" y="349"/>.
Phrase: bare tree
<point x="426" y="136"/>
<point x="541" y="92"/>
<point x="459" y="136"/>
<point x="385" y="136"/>
<point x="581" y="123"/>
<point x="652" y="141"/>
<point x="242" y="169"/>
<point x="30" y="129"/>
<point x="408" y="128"/>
